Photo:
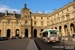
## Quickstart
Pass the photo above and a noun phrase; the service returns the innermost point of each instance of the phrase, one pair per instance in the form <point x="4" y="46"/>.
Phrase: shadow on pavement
<point x="37" y="45"/>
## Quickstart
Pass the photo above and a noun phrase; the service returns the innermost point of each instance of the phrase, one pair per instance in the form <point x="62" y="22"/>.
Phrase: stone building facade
<point x="28" y="24"/>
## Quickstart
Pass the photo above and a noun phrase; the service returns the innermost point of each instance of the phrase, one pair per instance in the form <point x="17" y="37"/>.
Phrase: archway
<point x="72" y="28"/>
<point x="60" y="30"/>
<point x="65" y="29"/>
<point x="35" y="33"/>
<point x="0" y="33"/>
<point x="26" y="32"/>
<point x="8" y="33"/>
<point x="41" y="30"/>
<point x="55" y="27"/>
<point x="17" y="32"/>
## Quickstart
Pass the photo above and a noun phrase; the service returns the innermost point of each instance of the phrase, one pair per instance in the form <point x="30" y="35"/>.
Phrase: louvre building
<point x="28" y="24"/>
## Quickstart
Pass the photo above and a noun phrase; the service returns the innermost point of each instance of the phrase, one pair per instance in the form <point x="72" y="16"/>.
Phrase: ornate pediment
<point x="8" y="17"/>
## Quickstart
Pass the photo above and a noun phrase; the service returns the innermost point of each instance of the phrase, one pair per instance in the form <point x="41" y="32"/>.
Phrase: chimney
<point x="14" y="13"/>
<point x="6" y="13"/>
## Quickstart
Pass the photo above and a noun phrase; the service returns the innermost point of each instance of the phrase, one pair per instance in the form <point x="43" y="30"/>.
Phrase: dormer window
<point x="26" y="23"/>
<point x="17" y="22"/>
<point x="8" y="22"/>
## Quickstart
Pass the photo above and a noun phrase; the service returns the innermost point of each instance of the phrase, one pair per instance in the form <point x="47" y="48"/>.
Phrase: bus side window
<point x="46" y="34"/>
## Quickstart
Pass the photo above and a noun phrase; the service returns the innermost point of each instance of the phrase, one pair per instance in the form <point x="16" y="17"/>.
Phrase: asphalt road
<point x="14" y="44"/>
<point x="52" y="46"/>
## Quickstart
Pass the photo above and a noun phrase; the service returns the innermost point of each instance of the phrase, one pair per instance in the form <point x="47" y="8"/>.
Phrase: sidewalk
<point x="69" y="42"/>
<point x="32" y="45"/>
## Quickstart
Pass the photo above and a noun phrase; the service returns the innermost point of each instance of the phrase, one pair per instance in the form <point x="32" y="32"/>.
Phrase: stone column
<point x="29" y="32"/>
<point x="38" y="32"/>
<point x="23" y="32"/>
<point x="63" y="33"/>
<point x="20" y="30"/>
<point x="11" y="29"/>
<point x="4" y="29"/>
<point x="14" y="26"/>
<point x="69" y="30"/>
<point x="58" y="29"/>
<point x="2" y="35"/>
<point x="74" y="28"/>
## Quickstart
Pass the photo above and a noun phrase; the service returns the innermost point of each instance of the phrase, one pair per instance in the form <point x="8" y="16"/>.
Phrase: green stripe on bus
<point x="57" y="30"/>
<point x="48" y="31"/>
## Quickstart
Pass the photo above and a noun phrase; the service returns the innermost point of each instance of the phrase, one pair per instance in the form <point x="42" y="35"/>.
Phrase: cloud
<point x="39" y="12"/>
<point x="44" y="12"/>
<point x="5" y="7"/>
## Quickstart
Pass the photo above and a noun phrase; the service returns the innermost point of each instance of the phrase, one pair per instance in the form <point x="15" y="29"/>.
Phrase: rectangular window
<point x="68" y="17"/>
<point x="8" y="22"/>
<point x="74" y="7"/>
<point x="74" y="13"/>
<point x="26" y="23"/>
<point x="47" y="23"/>
<point x="55" y="21"/>
<point x="47" y="17"/>
<point x="0" y="22"/>
<point x="41" y="17"/>
<point x="58" y="14"/>
<point x="34" y="23"/>
<point x="62" y="12"/>
<point x="34" y="17"/>
<point x="17" y="22"/>
<point x="67" y="9"/>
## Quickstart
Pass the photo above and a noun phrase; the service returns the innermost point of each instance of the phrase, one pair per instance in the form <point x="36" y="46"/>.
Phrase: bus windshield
<point x="53" y="31"/>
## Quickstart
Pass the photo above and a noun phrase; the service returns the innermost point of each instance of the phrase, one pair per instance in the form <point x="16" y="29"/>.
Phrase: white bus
<point x="50" y="35"/>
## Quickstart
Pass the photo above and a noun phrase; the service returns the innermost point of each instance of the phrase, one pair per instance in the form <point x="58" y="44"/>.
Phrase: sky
<point x="34" y="5"/>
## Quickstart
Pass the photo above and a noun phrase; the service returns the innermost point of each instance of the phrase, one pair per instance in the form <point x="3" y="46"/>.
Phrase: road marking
<point x="32" y="45"/>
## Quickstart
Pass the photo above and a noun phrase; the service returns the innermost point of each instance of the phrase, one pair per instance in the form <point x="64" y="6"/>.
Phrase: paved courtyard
<point x="14" y="44"/>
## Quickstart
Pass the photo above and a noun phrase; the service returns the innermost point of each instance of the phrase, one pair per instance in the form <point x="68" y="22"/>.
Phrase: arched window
<point x="8" y="22"/>
<point x="17" y="22"/>
<point x="26" y="23"/>
<point x="0" y="22"/>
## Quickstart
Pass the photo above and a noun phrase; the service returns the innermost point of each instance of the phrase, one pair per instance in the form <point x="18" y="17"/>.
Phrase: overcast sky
<point x="35" y="5"/>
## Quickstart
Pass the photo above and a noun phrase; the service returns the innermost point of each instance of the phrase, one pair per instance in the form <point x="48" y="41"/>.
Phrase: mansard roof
<point x="16" y="15"/>
<point x="2" y="14"/>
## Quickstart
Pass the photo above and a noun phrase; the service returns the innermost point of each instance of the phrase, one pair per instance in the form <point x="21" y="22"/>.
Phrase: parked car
<point x="2" y="38"/>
